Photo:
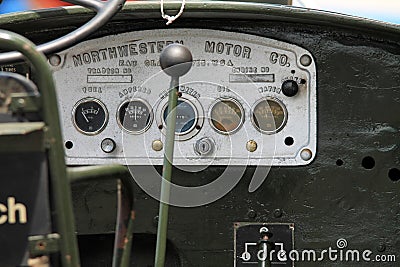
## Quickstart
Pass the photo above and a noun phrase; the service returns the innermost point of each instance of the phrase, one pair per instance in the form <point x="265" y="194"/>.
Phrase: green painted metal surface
<point x="52" y="136"/>
<point x="21" y="137"/>
<point x="39" y="245"/>
<point x="111" y="172"/>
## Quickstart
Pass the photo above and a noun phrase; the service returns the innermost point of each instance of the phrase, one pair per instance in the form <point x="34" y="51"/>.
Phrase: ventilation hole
<point x="293" y="71"/>
<point x="69" y="145"/>
<point x="41" y="245"/>
<point x="289" y="141"/>
<point x="339" y="162"/>
<point x="198" y="127"/>
<point x="160" y="127"/>
<point x="368" y="162"/>
<point x="394" y="174"/>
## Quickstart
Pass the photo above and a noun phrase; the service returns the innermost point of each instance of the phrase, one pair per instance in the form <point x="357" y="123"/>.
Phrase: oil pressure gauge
<point x="227" y="115"/>
<point x="90" y="116"/>
<point x="135" y="116"/>
<point x="269" y="116"/>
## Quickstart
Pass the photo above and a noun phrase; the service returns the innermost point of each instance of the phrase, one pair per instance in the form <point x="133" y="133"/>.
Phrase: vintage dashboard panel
<point x="247" y="100"/>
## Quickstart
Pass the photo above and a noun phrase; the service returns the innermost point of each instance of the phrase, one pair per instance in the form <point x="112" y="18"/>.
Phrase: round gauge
<point x="135" y="116"/>
<point x="226" y="115"/>
<point x="189" y="117"/>
<point x="186" y="117"/>
<point x="11" y="85"/>
<point x="269" y="116"/>
<point x="90" y="116"/>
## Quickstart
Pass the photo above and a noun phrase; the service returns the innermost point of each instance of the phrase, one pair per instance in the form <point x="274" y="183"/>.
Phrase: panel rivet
<point x="251" y="146"/>
<point x="381" y="247"/>
<point x="305" y="60"/>
<point x="277" y="213"/>
<point x="55" y="60"/>
<point x="252" y="214"/>
<point x="306" y="154"/>
<point x="157" y="145"/>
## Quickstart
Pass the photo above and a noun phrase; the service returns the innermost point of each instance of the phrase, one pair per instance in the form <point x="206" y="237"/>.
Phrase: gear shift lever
<point x="176" y="61"/>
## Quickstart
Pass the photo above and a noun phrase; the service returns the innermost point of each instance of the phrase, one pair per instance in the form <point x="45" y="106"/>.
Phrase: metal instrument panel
<point x="233" y="110"/>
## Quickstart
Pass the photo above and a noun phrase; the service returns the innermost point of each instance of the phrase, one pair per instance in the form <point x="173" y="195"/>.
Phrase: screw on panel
<point x="306" y="154"/>
<point x="251" y="146"/>
<point x="251" y="214"/>
<point x="278" y="213"/>
<point x="55" y="60"/>
<point x="305" y="60"/>
<point x="381" y="247"/>
<point x="157" y="145"/>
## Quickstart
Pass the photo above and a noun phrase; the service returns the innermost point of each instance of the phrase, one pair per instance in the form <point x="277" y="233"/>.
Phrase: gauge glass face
<point x="226" y="116"/>
<point x="135" y="116"/>
<point x="8" y="86"/>
<point x="269" y="116"/>
<point x="185" y="117"/>
<point x="90" y="116"/>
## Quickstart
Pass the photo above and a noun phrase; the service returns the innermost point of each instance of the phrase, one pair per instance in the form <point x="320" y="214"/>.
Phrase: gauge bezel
<point x="285" y="114"/>
<point x="242" y="119"/>
<point x="143" y="102"/>
<point x="199" y="117"/>
<point x="85" y="100"/>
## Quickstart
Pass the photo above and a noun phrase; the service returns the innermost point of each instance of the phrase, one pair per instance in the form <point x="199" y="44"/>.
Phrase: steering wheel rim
<point x="104" y="12"/>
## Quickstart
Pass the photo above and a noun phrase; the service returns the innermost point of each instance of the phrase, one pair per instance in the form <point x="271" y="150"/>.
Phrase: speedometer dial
<point x="226" y="115"/>
<point x="185" y="117"/>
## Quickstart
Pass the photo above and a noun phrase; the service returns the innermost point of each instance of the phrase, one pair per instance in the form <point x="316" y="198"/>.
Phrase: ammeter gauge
<point x="135" y="116"/>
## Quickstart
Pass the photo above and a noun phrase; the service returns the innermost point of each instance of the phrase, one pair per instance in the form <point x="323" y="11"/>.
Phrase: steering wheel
<point x="104" y="12"/>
